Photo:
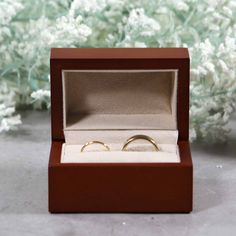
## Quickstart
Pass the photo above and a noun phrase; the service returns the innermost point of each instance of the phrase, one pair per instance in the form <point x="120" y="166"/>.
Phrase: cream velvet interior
<point x="113" y="105"/>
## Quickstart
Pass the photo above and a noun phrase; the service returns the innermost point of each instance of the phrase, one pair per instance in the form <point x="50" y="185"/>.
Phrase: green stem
<point x="212" y="95"/>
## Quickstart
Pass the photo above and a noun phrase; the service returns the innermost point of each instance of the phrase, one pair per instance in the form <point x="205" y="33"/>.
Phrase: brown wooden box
<point x="120" y="187"/>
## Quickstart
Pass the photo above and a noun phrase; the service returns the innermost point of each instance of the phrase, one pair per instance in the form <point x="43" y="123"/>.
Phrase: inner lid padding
<point x="121" y="99"/>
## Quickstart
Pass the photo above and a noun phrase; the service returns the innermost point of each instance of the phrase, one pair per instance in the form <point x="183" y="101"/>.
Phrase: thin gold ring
<point x="138" y="137"/>
<point x="94" y="142"/>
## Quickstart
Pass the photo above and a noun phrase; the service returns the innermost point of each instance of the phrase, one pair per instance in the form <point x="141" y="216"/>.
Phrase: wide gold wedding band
<point x="140" y="137"/>
<point x="94" y="142"/>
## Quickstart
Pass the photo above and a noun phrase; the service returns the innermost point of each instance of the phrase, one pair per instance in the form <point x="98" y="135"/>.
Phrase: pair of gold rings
<point x="126" y="144"/>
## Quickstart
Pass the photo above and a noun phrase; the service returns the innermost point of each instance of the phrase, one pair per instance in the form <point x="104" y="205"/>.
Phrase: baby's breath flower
<point x="208" y="28"/>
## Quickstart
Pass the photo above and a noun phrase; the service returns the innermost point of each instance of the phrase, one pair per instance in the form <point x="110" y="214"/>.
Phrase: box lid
<point x="119" y="59"/>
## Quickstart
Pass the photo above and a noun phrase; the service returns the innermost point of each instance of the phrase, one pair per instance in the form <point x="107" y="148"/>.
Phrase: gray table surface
<point x="23" y="192"/>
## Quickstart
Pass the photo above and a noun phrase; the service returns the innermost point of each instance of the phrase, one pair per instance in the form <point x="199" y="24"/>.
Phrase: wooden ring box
<point x="109" y="95"/>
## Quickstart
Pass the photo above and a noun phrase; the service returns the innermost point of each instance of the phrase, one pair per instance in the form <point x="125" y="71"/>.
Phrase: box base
<point x="120" y="187"/>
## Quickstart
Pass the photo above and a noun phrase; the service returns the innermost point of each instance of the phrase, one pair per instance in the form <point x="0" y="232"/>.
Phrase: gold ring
<point x="94" y="142"/>
<point x="143" y="137"/>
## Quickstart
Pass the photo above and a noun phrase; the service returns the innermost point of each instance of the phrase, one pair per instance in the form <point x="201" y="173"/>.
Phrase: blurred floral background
<point x="28" y="29"/>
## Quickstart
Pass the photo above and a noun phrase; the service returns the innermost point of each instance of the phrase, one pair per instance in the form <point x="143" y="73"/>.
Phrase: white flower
<point x="227" y="11"/>
<point x="138" y="26"/>
<point x="8" y="9"/>
<point x="140" y="45"/>
<point x="10" y="123"/>
<point x="223" y="65"/>
<point x="139" y="22"/>
<point x="70" y="29"/>
<point x="40" y="94"/>
<point x="6" y="111"/>
<point x="208" y="65"/>
<point x="8" y="119"/>
<point x="207" y="49"/>
<point x="91" y="6"/>
<point x="182" y="6"/>
<point x="230" y="43"/>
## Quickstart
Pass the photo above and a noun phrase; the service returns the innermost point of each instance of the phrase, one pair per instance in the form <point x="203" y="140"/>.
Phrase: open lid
<point x="119" y="89"/>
